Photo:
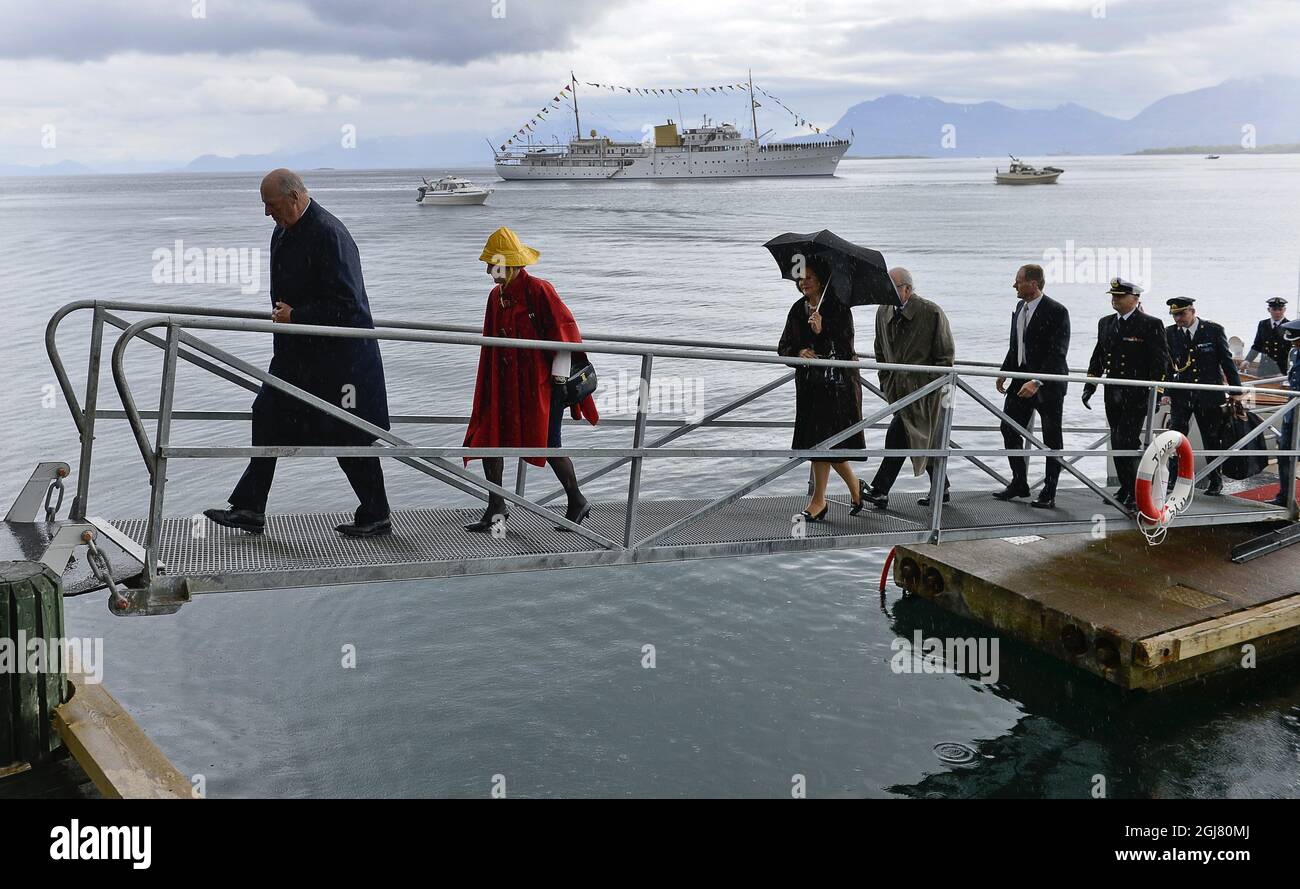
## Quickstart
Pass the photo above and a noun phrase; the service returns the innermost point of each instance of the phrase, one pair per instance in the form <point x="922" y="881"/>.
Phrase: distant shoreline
<point x="1221" y="149"/>
<point x="53" y="171"/>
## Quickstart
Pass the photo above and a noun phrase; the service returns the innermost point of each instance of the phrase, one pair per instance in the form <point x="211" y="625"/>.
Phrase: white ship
<point x="706" y="152"/>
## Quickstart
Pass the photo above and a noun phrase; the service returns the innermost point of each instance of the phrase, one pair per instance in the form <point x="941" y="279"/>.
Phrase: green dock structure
<point x="1139" y="616"/>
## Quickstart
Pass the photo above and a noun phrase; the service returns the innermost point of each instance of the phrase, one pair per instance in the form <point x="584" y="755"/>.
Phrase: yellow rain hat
<point x="505" y="248"/>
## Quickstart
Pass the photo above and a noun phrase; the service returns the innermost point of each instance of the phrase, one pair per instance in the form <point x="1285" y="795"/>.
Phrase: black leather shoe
<point x="576" y="515"/>
<point x="490" y="515"/>
<point x="1214" y="489"/>
<point x="925" y="501"/>
<point x="241" y="519"/>
<point x="1011" y="491"/>
<point x="821" y="516"/>
<point x="862" y="498"/>
<point x="366" y="529"/>
<point x="1279" y="500"/>
<point x="879" y="501"/>
<point x="1043" y="503"/>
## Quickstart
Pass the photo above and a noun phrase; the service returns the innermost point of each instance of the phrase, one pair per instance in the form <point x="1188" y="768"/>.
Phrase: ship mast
<point x="753" y="118"/>
<point x="576" y="123"/>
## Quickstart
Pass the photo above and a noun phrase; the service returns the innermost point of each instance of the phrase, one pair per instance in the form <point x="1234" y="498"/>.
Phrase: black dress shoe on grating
<point x="366" y="529"/>
<point x="241" y="519"/>
<point x="1043" y="503"/>
<point x="879" y="501"/>
<point x="925" y="501"/>
<point x="1012" y="491"/>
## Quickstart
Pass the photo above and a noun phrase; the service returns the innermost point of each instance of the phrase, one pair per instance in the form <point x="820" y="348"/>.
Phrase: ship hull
<point x="778" y="160"/>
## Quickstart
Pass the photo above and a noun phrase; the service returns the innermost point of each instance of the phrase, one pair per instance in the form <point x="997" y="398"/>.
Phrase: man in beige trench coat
<point x="916" y="332"/>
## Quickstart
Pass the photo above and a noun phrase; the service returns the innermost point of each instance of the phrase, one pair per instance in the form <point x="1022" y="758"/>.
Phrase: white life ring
<point x="1154" y="508"/>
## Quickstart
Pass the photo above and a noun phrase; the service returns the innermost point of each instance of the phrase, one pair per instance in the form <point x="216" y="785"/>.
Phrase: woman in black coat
<point x="827" y="399"/>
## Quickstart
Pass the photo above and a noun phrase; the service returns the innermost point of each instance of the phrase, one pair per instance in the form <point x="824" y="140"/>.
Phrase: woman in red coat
<point x="518" y="397"/>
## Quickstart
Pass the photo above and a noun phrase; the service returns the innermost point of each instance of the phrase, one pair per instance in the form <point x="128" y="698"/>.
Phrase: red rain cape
<point x="512" y="396"/>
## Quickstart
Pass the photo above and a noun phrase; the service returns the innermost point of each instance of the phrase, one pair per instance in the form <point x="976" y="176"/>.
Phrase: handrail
<point x="60" y="371"/>
<point x="181" y="343"/>
<point x="703" y="354"/>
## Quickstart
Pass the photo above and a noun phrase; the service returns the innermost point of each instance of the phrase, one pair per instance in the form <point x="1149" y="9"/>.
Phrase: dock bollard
<point x="33" y="676"/>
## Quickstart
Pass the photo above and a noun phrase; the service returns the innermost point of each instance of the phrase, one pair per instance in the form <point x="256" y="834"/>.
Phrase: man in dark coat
<point x="1040" y="340"/>
<point x="1270" y="342"/>
<point x="315" y="279"/>
<point x="1131" y="345"/>
<point x="1286" y="465"/>
<point x="1199" y="353"/>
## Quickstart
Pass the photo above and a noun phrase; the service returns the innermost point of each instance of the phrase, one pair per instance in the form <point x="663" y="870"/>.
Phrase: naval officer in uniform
<point x="1130" y="346"/>
<point x="1269" y="341"/>
<point x="1199" y="353"/>
<point x="1290" y="331"/>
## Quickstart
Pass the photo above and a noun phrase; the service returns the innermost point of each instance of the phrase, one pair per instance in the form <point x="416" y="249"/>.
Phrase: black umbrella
<point x="859" y="276"/>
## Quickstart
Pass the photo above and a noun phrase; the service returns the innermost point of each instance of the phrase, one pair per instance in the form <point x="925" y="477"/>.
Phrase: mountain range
<point x="1218" y="115"/>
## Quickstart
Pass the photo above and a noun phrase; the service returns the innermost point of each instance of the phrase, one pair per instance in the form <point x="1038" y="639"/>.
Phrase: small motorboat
<point x="451" y="191"/>
<point x="1020" y="173"/>
<point x="1211" y="157"/>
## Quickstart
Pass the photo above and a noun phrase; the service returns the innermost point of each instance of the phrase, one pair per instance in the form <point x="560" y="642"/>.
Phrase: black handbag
<point x="582" y="374"/>
<point x="1239" y="424"/>
<point x="581" y="382"/>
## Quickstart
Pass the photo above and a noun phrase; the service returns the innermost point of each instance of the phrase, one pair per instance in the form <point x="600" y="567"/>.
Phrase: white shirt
<point x="1129" y="315"/>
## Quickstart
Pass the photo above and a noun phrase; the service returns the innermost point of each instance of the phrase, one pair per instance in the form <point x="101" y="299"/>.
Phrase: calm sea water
<point x="766" y="667"/>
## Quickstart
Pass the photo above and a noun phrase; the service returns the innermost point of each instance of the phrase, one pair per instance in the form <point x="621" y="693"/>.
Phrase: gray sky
<point x="167" y="80"/>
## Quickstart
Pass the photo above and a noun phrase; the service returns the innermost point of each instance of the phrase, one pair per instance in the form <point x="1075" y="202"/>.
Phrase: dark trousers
<point x="887" y="474"/>
<point x="1050" y="409"/>
<point x="365" y="474"/>
<point x="1210" y="419"/>
<point x="1285" y="465"/>
<point x="1127" y="419"/>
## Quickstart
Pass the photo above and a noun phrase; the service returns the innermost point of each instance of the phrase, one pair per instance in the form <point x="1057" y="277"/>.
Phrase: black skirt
<point x="826" y="402"/>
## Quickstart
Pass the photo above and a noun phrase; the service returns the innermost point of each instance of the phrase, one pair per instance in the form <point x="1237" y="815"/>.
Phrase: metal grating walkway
<point x="304" y="550"/>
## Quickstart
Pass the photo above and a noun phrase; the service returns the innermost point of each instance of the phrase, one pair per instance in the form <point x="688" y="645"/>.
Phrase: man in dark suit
<point x="1270" y="342"/>
<point x="1131" y="345"/>
<point x="1199" y="353"/>
<point x="315" y="279"/>
<point x="1040" y="339"/>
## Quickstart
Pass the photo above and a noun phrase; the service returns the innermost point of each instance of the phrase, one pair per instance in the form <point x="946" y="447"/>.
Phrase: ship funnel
<point x="666" y="136"/>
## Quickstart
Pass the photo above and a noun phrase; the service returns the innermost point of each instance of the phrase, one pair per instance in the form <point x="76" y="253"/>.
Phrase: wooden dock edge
<point x="1188" y="653"/>
<point x="111" y="748"/>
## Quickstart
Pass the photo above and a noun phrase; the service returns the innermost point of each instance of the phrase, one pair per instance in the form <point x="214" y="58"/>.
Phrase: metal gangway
<point x="155" y="563"/>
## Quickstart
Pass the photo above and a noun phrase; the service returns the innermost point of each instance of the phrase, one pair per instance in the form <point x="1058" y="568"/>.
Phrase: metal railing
<point x="176" y="338"/>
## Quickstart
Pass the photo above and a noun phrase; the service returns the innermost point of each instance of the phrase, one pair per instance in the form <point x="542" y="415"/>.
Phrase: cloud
<point x="444" y="31"/>
<point x="276" y="94"/>
<point x="143" y="79"/>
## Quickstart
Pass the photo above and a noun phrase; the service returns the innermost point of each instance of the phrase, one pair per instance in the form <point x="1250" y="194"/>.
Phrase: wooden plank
<point x="1119" y="582"/>
<point x="1222" y="632"/>
<point x="1140" y="617"/>
<point x="112" y="748"/>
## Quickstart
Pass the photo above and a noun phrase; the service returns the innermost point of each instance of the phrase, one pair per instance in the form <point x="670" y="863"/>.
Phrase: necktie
<point x="1020" y="336"/>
